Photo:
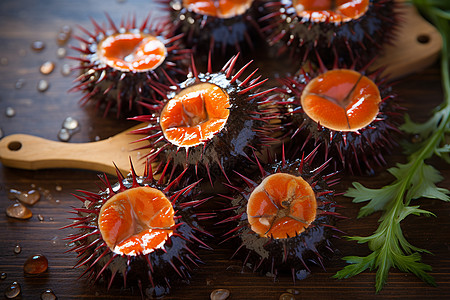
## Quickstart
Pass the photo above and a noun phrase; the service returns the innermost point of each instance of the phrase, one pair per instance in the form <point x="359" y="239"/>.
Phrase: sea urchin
<point x="140" y="230"/>
<point x="222" y="24"/>
<point x="283" y="218"/>
<point x="350" y="111"/>
<point x="352" y="28"/>
<point x="120" y="64"/>
<point x="210" y="122"/>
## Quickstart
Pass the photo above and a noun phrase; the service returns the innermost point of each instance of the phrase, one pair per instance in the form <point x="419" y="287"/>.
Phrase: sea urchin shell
<point x="283" y="218"/>
<point x="210" y="122"/>
<point x="351" y="112"/>
<point x="140" y="230"/>
<point x="352" y="28"/>
<point x="120" y="64"/>
<point x="221" y="24"/>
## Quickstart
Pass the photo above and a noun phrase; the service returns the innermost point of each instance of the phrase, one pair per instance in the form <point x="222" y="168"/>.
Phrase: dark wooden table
<point x="41" y="114"/>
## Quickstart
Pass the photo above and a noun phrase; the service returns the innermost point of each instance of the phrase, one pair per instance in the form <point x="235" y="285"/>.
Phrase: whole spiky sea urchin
<point x="220" y="26"/>
<point x="140" y="232"/>
<point x="211" y="122"/>
<point x="351" y="112"/>
<point x="283" y="217"/>
<point x="352" y="28"/>
<point x="119" y="64"/>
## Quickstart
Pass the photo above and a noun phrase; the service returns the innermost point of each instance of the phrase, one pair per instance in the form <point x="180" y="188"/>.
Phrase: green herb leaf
<point x="413" y="180"/>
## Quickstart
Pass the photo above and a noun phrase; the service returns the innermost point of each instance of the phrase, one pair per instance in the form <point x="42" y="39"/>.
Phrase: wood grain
<point x="41" y="114"/>
<point x="33" y="153"/>
<point x="417" y="44"/>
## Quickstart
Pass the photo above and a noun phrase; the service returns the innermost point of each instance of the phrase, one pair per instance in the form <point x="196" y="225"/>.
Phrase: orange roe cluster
<point x="195" y="114"/>
<point x="341" y="100"/>
<point x="281" y="206"/>
<point x="132" y="52"/>
<point x="331" y="10"/>
<point x="136" y="221"/>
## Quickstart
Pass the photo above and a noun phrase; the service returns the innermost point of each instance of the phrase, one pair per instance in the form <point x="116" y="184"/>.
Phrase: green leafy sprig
<point x="414" y="179"/>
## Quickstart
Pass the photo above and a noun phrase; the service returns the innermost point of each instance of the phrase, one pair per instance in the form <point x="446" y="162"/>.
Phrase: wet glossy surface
<point x="195" y="114"/>
<point x="281" y="206"/>
<point x="341" y="100"/>
<point x="331" y="10"/>
<point x="132" y="52"/>
<point x="221" y="8"/>
<point x="136" y="221"/>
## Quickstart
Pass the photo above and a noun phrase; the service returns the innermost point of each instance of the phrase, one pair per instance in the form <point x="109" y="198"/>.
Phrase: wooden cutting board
<point x="417" y="45"/>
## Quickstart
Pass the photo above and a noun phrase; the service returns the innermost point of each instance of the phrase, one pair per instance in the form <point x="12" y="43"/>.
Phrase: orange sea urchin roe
<point x="331" y="10"/>
<point x="128" y="51"/>
<point x="136" y="221"/>
<point x="218" y="8"/>
<point x="195" y="114"/>
<point x="281" y="206"/>
<point x="341" y="100"/>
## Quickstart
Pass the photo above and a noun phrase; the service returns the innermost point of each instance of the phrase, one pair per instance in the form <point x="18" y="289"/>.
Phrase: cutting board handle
<point x="30" y="152"/>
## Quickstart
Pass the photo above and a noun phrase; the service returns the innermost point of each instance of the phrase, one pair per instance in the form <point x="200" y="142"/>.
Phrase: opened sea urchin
<point x="283" y="218"/>
<point x="211" y="25"/>
<point x="351" y="28"/>
<point x="139" y="233"/>
<point x="211" y="122"/>
<point x="351" y="112"/>
<point x="119" y="64"/>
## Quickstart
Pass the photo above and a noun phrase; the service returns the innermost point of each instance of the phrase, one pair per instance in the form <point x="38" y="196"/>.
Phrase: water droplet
<point x="48" y="295"/>
<point x="38" y="46"/>
<point x="43" y="85"/>
<point x="47" y="67"/>
<point x="97" y="138"/>
<point x="64" y="135"/>
<point x="3" y="275"/>
<point x="35" y="264"/>
<point x="66" y="70"/>
<point x="70" y="123"/>
<point x="293" y="291"/>
<point x="176" y="5"/>
<point x="18" y="211"/>
<point x="220" y="294"/>
<point x="4" y="61"/>
<point x="66" y="29"/>
<point x="40" y="218"/>
<point x="61" y="52"/>
<point x="30" y="197"/>
<point x="54" y="241"/>
<point x="287" y="296"/>
<point x="58" y="188"/>
<point x="10" y="112"/>
<point x="51" y="219"/>
<point x="17" y="249"/>
<point x="13" y="290"/>
<point x="301" y="274"/>
<point x="57" y="201"/>
<point x="20" y="83"/>
<point x="62" y="38"/>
